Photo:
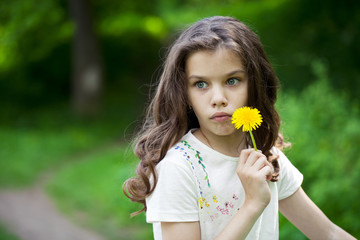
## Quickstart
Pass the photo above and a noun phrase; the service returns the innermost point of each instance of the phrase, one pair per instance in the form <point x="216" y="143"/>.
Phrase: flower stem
<point x="253" y="139"/>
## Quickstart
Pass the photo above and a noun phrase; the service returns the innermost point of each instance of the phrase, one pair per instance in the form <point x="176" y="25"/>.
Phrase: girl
<point x="199" y="177"/>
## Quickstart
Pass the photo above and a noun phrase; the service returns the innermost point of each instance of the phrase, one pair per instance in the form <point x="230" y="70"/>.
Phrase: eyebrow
<point x="238" y="71"/>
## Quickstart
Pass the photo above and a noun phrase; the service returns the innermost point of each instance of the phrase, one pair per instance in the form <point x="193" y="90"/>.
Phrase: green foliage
<point x="35" y="40"/>
<point x="323" y="127"/>
<point x="91" y="190"/>
<point x="297" y="33"/>
<point x="29" y="30"/>
<point x="34" y="52"/>
<point x="38" y="141"/>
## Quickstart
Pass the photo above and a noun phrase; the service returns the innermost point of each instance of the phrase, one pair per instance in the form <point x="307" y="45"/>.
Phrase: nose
<point x="219" y="98"/>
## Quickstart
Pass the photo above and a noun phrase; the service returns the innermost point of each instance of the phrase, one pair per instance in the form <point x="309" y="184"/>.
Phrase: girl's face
<point x="217" y="86"/>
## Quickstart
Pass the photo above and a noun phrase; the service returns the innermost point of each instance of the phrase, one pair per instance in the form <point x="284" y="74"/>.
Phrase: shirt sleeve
<point x="175" y="196"/>
<point x="290" y="179"/>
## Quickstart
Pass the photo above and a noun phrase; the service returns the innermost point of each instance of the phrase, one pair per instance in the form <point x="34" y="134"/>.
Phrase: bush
<point x="323" y="127"/>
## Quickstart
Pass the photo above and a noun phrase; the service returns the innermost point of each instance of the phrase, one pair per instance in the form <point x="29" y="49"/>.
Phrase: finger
<point x="271" y="167"/>
<point x="244" y="156"/>
<point x="266" y="172"/>
<point x="261" y="162"/>
<point x="253" y="158"/>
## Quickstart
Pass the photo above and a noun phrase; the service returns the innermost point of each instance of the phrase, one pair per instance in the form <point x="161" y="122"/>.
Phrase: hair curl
<point x="169" y="117"/>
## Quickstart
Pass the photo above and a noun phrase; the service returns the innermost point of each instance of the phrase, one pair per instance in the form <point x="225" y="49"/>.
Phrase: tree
<point x="87" y="77"/>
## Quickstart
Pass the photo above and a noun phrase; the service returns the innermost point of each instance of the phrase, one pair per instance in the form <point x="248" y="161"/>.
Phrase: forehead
<point x="209" y="63"/>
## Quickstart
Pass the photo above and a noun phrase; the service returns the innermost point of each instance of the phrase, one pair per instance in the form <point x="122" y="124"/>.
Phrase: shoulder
<point x="178" y="153"/>
<point x="175" y="195"/>
<point x="177" y="161"/>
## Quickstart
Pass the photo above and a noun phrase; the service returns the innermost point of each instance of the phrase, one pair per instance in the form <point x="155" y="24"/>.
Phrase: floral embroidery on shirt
<point x="222" y="210"/>
<point x="186" y="144"/>
<point x="197" y="155"/>
<point x="228" y="204"/>
<point x="187" y="157"/>
<point x="211" y="205"/>
<point x="200" y="160"/>
<point x="202" y="201"/>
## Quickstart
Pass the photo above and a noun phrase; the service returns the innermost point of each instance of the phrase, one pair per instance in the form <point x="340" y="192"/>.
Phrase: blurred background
<point x="75" y="78"/>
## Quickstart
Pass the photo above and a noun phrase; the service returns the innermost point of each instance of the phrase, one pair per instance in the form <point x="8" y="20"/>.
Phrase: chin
<point x="225" y="131"/>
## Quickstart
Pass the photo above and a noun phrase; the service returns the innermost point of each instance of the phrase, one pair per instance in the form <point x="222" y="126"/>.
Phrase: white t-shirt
<point x="197" y="183"/>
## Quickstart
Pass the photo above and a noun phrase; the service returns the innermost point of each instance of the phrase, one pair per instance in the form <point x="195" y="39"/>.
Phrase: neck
<point x="230" y="145"/>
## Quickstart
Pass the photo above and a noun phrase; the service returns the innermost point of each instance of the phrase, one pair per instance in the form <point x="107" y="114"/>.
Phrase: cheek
<point x="241" y="98"/>
<point x="194" y="99"/>
<point x="244" y="95"/>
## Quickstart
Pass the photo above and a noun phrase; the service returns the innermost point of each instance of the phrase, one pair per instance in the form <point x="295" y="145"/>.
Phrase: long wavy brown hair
<point x="169" y="117"/>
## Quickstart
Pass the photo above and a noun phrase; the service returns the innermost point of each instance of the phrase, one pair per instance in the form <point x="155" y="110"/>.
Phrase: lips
<point x="221" y="116"/>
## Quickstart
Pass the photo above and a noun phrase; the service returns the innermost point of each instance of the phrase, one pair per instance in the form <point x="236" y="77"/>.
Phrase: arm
<point x="180" y="230"/>
<point x="253" y="170"/>
<point x="309" y="219"/>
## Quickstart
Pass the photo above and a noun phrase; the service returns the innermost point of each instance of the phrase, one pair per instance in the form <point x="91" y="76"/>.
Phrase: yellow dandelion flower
<point x="247" y="118"/>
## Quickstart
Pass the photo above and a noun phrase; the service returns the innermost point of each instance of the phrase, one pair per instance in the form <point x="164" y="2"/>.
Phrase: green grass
<point x="31" y="142"/>
<point x="90" y="191"/>
<point x="6" y="235"/>
<point x="27" y="152"/>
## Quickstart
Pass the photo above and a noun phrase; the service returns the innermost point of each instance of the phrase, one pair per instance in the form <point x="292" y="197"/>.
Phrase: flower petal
<point x="247" y="118"/>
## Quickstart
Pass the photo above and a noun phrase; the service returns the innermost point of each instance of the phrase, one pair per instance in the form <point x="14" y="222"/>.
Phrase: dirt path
<point x="30" y="215"/>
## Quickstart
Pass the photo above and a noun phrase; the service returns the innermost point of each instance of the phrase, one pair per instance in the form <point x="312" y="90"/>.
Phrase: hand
<point x="254" y="170"/>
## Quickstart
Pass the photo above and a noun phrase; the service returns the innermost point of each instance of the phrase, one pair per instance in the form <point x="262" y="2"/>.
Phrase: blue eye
<point x="232" y="81"/>
<point x="201" y="85"/>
